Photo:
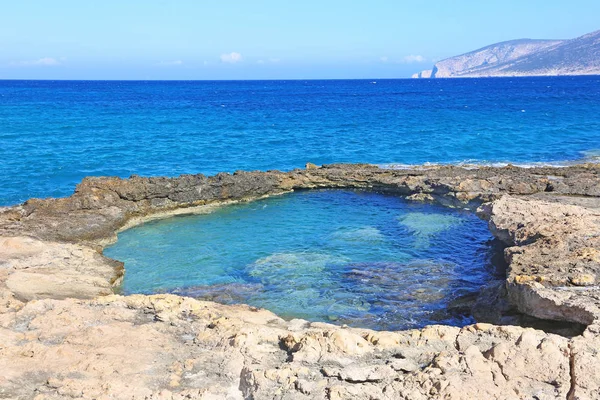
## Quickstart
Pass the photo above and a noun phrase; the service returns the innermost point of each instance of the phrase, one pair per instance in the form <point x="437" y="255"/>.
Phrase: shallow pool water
<point x="360" y="258"/>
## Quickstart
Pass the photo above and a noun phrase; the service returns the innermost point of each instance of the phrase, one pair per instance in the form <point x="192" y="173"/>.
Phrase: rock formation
<point x="524" y="57"/>
<point x="64" y="335"/>
<point x="423" y="74"/>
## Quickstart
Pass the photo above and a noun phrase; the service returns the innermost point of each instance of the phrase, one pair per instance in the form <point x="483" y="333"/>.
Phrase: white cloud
<point x="231" y="58"/>
<point x="42" y="62"/>
<point x="414" y="58"/>
<point x="383" y="59"/>
<point x="174" y="63"/>
<point x="260" y="62"/>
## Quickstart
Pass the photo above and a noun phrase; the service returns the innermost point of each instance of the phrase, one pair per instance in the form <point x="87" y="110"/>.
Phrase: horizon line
<point x="294" y="79"/>
<point x="206" y="80"/>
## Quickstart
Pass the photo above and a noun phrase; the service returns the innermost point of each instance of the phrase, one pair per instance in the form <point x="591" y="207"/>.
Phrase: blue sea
<point x="54" y="133"/>
<point x="363" y="259"/>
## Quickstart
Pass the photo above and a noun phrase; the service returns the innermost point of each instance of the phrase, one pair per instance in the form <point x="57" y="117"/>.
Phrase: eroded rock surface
<point x="64" y="335"/>
<point x="37" y="269"/>
<point x="554" y="260"/>
<point x="101" y="206"/>
<point x="165" y="346"/>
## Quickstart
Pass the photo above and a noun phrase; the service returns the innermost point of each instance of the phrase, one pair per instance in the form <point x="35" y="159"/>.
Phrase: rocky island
<point x="524" y="57"/>
<point x="65" y="334"/>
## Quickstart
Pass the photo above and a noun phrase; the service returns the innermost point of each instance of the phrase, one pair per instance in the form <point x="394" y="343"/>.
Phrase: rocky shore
<point x="64" y="334"/>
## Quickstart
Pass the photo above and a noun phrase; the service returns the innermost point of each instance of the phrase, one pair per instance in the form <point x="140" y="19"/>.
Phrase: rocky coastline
<point x="65" y="334"/>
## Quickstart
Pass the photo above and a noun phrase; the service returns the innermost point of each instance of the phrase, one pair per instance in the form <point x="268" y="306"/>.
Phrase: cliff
<point x="524" y="57"/>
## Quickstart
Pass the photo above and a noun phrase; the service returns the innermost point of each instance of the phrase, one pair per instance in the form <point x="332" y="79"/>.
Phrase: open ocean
<point x="54" y="133"/>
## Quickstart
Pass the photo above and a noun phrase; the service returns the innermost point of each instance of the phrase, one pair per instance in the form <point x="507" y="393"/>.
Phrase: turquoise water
<point x="359" y="258"/>
<point x="54" y="133"/>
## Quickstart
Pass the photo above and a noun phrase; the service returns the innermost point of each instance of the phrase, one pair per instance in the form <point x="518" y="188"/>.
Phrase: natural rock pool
<point x="359" y="258"/>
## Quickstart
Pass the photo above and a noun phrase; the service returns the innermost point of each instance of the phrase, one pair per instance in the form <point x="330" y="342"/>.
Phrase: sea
<point x="54" y="133"/>
<point x="364" y="259"/>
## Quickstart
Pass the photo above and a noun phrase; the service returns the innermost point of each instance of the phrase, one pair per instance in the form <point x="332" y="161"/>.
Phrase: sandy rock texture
<point x="64" y="335"/>
<point x="165" y="346"/>
<point x="554" y="258"/>
<point x="39" y="269"/>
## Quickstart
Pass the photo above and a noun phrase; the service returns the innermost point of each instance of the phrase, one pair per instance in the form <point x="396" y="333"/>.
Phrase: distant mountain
<point x="524" y="57"/>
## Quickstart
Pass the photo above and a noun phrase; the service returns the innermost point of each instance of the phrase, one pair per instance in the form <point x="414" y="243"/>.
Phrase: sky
<point x="245" y="39"/>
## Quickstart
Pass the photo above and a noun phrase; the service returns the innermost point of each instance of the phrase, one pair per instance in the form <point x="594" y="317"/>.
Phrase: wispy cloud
<point x="414" y="59"/>
<point x="269" y="61"/>
<point x="42" y="62"/>
<point x="231" y="58"/>
<point x="383" y="59"/>
<point x="174" y="63"/>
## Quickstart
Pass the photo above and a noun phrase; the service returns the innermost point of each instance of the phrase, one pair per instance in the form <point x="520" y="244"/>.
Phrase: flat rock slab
<point x="34" y="269"/>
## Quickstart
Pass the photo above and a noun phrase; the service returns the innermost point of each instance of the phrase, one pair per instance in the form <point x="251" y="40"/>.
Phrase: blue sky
<point x="187" y="39"/>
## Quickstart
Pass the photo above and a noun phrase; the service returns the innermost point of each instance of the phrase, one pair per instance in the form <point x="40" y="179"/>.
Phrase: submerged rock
<point x="291" y="267"/>
<point x="225" y="293"/>
<point x="367" y="234"/>
<point x="425" y="226"/>
<point x="413" y="294"/>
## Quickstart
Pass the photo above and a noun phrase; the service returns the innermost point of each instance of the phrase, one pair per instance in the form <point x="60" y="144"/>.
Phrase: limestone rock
<point x="524" y="57"/>
<point x="37" y="269"/>
<point x="63" y="335"/>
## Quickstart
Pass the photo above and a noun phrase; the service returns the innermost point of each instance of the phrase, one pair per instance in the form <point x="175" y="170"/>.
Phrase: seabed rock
<point x="64" y="335"/>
